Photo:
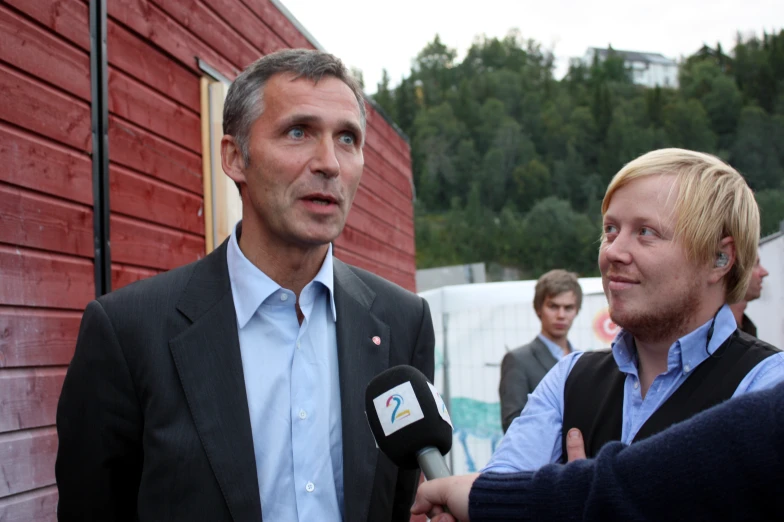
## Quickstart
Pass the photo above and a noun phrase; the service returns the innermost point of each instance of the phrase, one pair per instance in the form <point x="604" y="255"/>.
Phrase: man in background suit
<point x="234" y="386"/>
<point x="557" y="300"/>
<point x="758" y="273"/>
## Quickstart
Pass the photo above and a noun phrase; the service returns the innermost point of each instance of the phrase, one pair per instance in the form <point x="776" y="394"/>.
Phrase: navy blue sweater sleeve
<point x="726" y="463"/>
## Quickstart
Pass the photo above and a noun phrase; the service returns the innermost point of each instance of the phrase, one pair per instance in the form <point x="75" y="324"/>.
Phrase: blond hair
<point x="713" y="202"/>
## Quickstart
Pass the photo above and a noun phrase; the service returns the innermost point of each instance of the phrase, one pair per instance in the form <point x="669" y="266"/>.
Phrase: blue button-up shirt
<point x="291" y="381"/>
<point x="556" y="350"/>
<point x="534" y="438"/>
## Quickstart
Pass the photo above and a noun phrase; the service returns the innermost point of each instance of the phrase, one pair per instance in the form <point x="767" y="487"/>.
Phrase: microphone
<point x="409" y="420"/>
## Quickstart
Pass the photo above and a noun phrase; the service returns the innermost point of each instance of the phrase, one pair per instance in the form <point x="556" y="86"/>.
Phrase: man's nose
<point x="619" y="250"/>
<point x="325" y="161"/>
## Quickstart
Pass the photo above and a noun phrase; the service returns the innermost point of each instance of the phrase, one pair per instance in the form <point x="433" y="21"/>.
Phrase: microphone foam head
<point x="406" y="414"/>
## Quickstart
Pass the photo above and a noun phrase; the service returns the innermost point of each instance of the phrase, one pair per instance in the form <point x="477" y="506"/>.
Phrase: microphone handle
<point x="432" y="463"/>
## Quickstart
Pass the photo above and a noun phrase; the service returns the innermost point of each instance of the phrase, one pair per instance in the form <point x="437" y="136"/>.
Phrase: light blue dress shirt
<point x="291" y="381"/>
<point x="534" y="438"/>
<point x="556" y="350"/>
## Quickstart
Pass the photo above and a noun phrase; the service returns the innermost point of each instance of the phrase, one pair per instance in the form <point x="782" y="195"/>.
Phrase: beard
<point x="666" y="321"/>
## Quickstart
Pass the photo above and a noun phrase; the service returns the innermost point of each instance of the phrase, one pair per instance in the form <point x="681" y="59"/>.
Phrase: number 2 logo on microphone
<point x="397" y="408"/>
<point x="398" y="401"/>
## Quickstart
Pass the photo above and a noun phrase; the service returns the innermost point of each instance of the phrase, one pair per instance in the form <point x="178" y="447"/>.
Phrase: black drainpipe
<point x="99" y="87"/>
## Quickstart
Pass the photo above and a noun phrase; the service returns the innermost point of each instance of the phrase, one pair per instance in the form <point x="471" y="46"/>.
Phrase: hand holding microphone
<point x="409" y="420"/>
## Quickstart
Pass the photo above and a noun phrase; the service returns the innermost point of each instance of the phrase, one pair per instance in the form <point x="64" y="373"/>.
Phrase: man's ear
<point x="232" y="162"/>
<point x="724" y="260"/>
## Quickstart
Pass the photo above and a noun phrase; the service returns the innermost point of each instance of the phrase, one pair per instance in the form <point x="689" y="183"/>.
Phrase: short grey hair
<point x="245" y="99"/>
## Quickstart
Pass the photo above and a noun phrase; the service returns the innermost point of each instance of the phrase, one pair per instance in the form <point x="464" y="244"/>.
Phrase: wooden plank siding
<point x="156" y="187"/>
<point x="31" y="397"/>
<point x="27" y="458"/>
<point x="37" y="337"/>
<point x="39" y="505"/>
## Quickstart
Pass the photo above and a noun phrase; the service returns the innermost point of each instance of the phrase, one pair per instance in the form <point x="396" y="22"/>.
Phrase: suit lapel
<point x="209" y="363"/>
<point x="359" y="360"/>
<point x="543" y="355"/>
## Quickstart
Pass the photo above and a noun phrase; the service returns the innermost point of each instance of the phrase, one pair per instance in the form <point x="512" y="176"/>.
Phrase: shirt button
<point x="284" y="297"/>
<point x="297" y="345"/>
<point x="636" y="385"/>
<point x="687" y="368"/>
<point x="309" y="487"/>
<point x="303" y="414"/>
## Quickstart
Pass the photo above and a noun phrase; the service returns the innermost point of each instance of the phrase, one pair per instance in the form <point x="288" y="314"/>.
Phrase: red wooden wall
<point x="46" y="222"/>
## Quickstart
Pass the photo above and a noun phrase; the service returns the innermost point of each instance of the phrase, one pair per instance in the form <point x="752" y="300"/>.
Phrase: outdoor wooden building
<point x="169" y="62"/>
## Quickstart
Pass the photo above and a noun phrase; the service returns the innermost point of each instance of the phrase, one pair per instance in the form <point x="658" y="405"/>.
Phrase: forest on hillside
<point x="510" y="164"/>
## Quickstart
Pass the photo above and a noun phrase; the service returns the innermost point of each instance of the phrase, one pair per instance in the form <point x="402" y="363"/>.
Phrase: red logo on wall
<point x="603" y="328"/>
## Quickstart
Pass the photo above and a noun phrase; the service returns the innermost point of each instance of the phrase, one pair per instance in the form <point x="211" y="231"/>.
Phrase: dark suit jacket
<point x="521" y="371"/>
<point x="748" y="326"/>
<point x="153" y="419"/>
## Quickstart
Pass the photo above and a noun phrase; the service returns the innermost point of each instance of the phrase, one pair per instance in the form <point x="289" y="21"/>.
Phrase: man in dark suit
<point x="233" y="387"/>
<point x="557" y="300"/>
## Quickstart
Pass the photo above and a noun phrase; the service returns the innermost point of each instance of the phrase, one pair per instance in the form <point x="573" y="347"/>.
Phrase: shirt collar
<point x="556" y="350"/>
<point x="250" y="286"/>
<point x="687" y="352"/>
<point x="325" y="276"/>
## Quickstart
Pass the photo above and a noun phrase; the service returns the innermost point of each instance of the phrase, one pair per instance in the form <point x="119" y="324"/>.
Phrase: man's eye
<point x="297" y="133"/>
<point x="645" y="231"/>
<point x="347" y="138"/>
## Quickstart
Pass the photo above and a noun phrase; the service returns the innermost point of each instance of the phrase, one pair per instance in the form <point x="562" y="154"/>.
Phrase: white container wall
<point x="475" y="326"/>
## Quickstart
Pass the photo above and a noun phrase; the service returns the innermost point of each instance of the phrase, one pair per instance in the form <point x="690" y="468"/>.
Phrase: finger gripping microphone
<point x="409" y="420"/>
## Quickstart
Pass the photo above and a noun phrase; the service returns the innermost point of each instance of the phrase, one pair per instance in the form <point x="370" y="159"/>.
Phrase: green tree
<point x="405" y="105"/>
<point x="602" y="109"/>
<point x="771" y="208"/>
<point x="384" y="97"/>
<point x="511" y="165"/>
<point x="755" y="68"/>
<point x="687" y="126"/>
<point x="557" y="236"/>
<point x="705" y="81"/>
<point x="433" y="68"/>
<point x="467" y="168"/>
<point x="531" y="182"/>
<point x="755" y="152"/>
<point x="491" y="115"/>
<point x="627" y="138"/>
<point x="437" y="134"/>
<point x="723" y="105"/>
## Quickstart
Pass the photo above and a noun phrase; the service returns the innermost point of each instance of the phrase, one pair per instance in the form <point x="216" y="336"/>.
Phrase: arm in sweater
<point x="726" y="463"/>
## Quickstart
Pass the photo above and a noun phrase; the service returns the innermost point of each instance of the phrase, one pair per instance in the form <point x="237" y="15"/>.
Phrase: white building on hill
<point x="649" y="69"/>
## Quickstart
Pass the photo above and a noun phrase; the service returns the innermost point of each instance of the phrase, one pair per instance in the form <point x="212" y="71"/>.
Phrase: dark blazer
<point x="521" y="371"/>
<point x="748" y="326"/>
<point x="153" y="419"/>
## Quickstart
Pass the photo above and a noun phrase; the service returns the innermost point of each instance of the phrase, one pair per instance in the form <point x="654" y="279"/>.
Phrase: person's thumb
<point x="575" y="446"/>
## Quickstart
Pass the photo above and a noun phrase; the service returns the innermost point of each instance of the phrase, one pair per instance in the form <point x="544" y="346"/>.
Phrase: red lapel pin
<point x="377" y="340"/>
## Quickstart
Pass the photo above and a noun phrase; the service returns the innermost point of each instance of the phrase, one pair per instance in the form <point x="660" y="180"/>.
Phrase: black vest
<point x="593" y="393"/>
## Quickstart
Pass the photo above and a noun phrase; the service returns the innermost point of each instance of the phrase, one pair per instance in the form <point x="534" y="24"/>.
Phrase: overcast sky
<point x="373" y="35"/>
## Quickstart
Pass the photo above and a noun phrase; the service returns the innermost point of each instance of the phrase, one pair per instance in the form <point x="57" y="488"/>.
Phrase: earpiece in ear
<point x="722" y="260"/>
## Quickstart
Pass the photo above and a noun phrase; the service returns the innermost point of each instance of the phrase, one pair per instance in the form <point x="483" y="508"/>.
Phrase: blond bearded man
<point x="679" y="242"/>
